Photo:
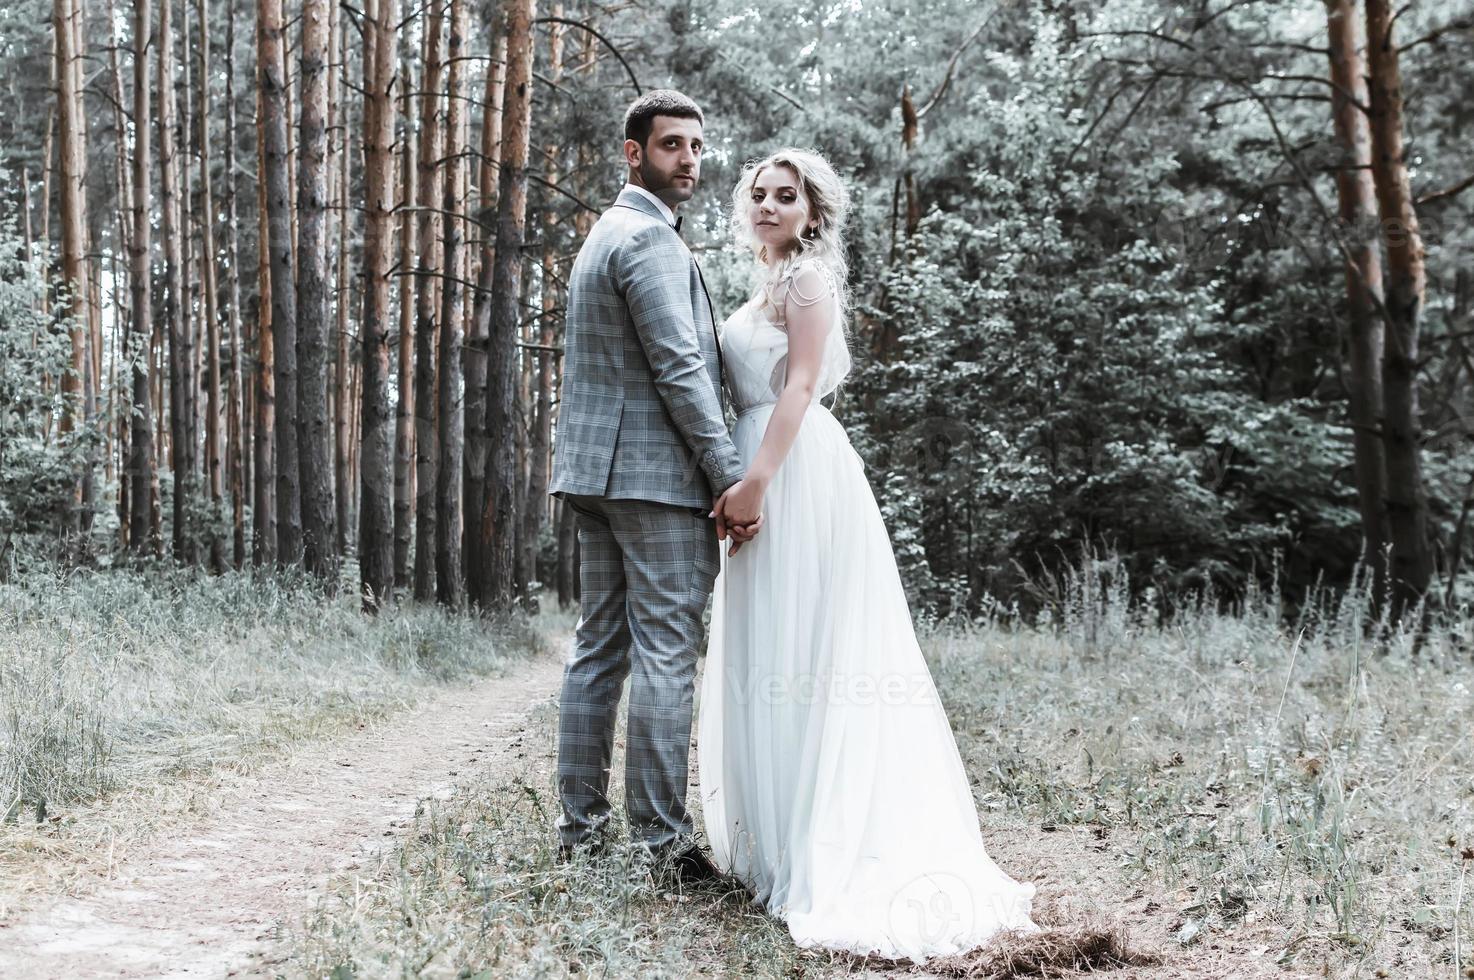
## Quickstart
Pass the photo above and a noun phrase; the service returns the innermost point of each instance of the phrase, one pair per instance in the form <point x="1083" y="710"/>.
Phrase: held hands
<point x="738" y="512"/>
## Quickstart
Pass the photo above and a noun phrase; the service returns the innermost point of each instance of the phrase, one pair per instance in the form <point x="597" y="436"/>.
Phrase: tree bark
<point x="76" y="268"/>
<point x="144" y="519"/>
<point x="540" y="439"/>
<point x="449" y="417"/>
<point x="376" y="434"/>
<point x="264" y="549"/>
<point x="181" y="357"/>
<point x="1358" y="211"/>
<point x="1406" y="279"/>
<point x="583" y="223"/>
<point x="235" y="423"/>
<point x="427" y="443"/>
<point x="272" y="71"/>
<point x="314" y="426"/>
<point x="499" y="522"/>
<point x="214" y="415"/>
<point x="404" y="420"/>
<point x="117" y="417"/>
<point x="477" y="336"/>
<point x="343" y="400"/>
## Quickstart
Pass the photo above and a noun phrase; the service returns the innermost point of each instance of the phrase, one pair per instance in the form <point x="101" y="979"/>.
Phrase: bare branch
<point x="946" y="82"/>
<point x="604" y="40"/>
<point x="1434" y="37"/>
<point x="1447" y="192"/>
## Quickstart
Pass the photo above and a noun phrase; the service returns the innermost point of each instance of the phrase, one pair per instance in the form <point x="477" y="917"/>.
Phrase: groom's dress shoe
<point x="689" y="869"/>
<point x="593" y="846"/>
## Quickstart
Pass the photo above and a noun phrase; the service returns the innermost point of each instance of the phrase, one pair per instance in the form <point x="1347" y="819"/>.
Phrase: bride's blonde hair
<point x="828" y="202"/>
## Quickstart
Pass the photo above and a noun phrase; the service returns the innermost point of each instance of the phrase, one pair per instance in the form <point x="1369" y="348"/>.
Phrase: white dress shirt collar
<point x="670" y="217"/>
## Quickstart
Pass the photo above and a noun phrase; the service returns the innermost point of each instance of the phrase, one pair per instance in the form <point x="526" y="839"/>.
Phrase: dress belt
<point x="761" y="405"/>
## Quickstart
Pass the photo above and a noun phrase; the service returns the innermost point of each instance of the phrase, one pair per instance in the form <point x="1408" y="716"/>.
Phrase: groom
<point x="642" y="456"/>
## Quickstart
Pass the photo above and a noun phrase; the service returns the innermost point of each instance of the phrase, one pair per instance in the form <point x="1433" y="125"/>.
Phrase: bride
<point x="830" y="779"/>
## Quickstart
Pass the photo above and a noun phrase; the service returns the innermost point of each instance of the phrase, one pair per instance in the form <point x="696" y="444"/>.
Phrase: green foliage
<point x="38" y="467"/>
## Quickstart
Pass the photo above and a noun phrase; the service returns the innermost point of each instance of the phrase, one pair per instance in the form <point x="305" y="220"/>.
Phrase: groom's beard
<point x="663" y="184"/>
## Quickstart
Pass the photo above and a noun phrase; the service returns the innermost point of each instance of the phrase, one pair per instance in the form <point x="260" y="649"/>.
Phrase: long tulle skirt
<point x="830" y="779"/>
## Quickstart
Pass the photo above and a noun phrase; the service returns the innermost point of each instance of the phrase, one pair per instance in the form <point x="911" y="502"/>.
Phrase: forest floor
<point x="1234" y="802"/>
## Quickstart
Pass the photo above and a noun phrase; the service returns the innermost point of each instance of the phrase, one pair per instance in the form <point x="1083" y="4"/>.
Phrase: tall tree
<point x="143" y="514"/>
<point x="449" y="415"/>
<point x="122" y="221"/>
<point x="76" y="268"/>
<point x="235" y="433"/>
<point x="344" y="404"/>
<point x="181" y="357"/>
<point x="214" y="416"/>
<point x="272" y="71"/>
<point x="1358" y="211"/>
<point x="427" y="270"/>
<point x="480" y="329"/>
<point x="264" y="545"/>
<point x="376" y="432"/>
<point x="1406" y="281"/>
<point x="404" y="419"/>
<point x="499" y="525"/>
<point x="541" y="436"/>
<point x="315" y="434"/>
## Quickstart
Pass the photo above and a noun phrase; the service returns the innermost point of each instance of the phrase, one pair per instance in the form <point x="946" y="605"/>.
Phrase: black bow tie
<point x="677" y="225"/>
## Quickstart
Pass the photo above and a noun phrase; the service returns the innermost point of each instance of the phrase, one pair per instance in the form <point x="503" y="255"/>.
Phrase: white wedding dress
<point x="830" y="779"/>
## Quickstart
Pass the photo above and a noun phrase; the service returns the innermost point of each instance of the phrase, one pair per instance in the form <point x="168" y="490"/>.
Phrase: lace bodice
<point x="755" y="342"/>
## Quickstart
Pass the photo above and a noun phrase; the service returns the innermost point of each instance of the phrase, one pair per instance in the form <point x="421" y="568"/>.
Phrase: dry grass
<point x="1235" y="792"/>
<point x="1235" y="795"/>
<point x="125" y="697"/>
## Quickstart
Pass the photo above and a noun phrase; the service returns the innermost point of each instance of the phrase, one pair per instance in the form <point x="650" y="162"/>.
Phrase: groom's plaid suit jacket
<point x="641" y="414"/>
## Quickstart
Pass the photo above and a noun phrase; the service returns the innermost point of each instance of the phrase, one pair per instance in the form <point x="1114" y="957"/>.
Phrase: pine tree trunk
<point x="235" y="425"/>
<point x="477" y="442"/>
<point x="376" y="435"/>
<point x="143" y="515"/>
<point x="404" y="419"/>
<point x="1358" y="210"/>
<point x="344" y="404"/>
<point x="181" y="356"/>
<point x="428" y="190"/>
<point x="499" y="524"/>
<point x="264" y="437"/>
<point x="315" y="434"/>
<point x="583" y="223"/>
<point x="449" y="417"/>
<point x="272" y="72"/>
<point x="1407" y="506"/>
<point x="76" y="269"/>
<point x="214" y="457"/>
<point x="335" y="223"/>
<point x="116" y="414"/>
<point x="540" y="439"/>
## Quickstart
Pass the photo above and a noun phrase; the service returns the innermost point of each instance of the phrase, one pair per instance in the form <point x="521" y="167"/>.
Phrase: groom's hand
<point x="738" y="512"/>
<point x="740" y="535"/>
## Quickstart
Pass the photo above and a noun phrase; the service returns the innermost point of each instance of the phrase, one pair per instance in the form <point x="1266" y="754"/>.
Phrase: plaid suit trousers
<point x="647" y="572"/>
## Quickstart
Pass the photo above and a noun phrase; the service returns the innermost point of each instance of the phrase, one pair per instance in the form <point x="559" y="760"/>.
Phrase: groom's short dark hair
<point x="639" y="119"/>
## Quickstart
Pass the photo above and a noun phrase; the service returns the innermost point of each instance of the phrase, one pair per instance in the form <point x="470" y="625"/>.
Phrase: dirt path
<point x="213" y="899"/>
<point x="198" y="903"/>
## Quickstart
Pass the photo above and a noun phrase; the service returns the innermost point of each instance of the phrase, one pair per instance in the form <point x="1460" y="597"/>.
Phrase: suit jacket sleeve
<point x="654" y="273"/>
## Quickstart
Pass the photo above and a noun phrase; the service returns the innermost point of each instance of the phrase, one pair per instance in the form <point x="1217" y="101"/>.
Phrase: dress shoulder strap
<point x="788" y="286"/>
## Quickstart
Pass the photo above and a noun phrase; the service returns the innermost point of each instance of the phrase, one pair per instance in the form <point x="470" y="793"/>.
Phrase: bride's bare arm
<point x="808" y="313"/>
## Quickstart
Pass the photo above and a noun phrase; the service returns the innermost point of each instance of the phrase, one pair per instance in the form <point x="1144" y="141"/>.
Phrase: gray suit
<point x="642" y="449"/>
